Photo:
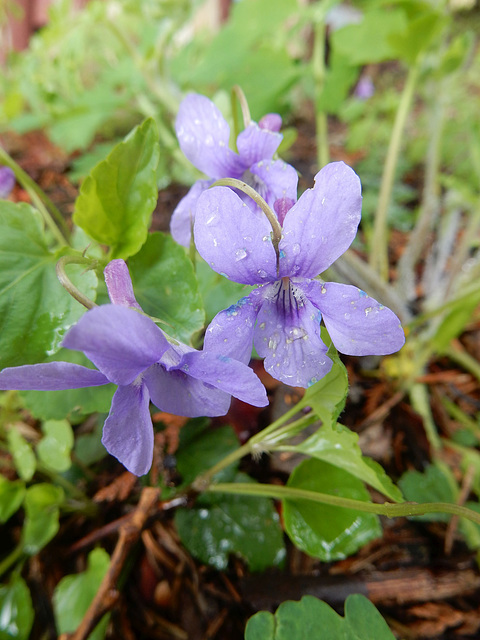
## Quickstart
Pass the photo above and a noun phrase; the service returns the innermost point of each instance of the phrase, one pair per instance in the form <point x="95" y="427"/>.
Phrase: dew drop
<point x="347" y="316"/>
<point x="240" y="254"/>
<point x="262" y="273"/>
<point x="296" y="249"/>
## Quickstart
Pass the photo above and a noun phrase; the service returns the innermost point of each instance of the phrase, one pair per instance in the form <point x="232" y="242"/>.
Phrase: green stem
<point x="58" y="225"/>
<point x="379" y="250"/>
<point x="238" y="92"/>
<point x="257" y="444"/>
<point x="11" y="559"/>
<point x="68" y="284"/>
<point x="257" y="198"/>
<point x="388" y="509"/>
<point x="319" y="72"/>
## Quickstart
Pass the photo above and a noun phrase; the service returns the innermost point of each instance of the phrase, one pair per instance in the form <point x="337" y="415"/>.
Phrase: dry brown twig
<point x="107" y="594"/>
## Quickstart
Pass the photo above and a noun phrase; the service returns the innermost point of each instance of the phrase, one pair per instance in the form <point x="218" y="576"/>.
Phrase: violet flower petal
<point x="120" y="342"/>
<point x="226" y="374"/>
<point x="358" y="325"/>
<point x="178" y="393"/>
<point x="321" y="226"/>
<point x="7" y="181"/>
<point x="119" y="284"/>
<point x="203" y="135"/>
<point x="231" y="331"/>
<point x="128" y="430"/>
<point x="181" y="223"/>
<point x="234" y="239"/>
<point x="50" y="376"/>
<point x="255" y="144"/>
<point x="287" y="335"/>
<point x="273" y="180"/>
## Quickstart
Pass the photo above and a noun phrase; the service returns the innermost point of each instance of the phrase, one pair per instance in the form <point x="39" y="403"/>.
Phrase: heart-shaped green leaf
<point x="324" y="531"/>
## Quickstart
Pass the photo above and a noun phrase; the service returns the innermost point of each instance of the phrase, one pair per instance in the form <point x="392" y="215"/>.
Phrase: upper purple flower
<point x="282" y="316"/>
<point x="7" y="181"/>
<point x="129" y="350"/>
<point x="203" y="134"/>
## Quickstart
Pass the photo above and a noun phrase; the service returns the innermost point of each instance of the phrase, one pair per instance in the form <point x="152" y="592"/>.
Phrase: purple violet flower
<point x="130" y="351"/>
<point x="7" y="181"/>
<point x="282" y="316"/>
<point x="203" y="134"/>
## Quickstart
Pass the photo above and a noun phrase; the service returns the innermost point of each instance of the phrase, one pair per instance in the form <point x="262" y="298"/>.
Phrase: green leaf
<point x="118" y="197"/>
<point x="201" y="447"/>
<point x="42" y="512"/>
<point x="166" y="287"/>
<point x="418" y="35"/>
<point x="339" y="447"/>
<point x="88" y="446"/>
<point x="35" y="310"/>
<point x="217" y="292"/>
<point x="436" y="484"/>
<point x="324" y="531"/>
<point x="73" y="404"/>
<point x="22" y="453"/>
<point x="16" y="610"/>
<point x="369" y="40"/>
<point x="55" y="447"/>
<point x="74" y="594"/>
<point x="363" y="620"/>
<point x="327" y="396"/>
<point x="11" y="497"/>
<point x="313" y="618"/>
<point x="243" y="525"/>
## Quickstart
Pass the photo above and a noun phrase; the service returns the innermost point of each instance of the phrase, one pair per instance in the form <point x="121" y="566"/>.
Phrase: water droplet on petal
<point x="347" y="316"/>
<point x="262" y="273"/>
<point x="296" y="249"/>
<point x="240" y="254"/>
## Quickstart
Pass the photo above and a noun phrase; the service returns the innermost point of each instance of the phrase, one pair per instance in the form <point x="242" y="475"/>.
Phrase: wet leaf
<point x="220" y="525"/>
<point x="324" y="531"/>
<point x="16" y="610"/>
<point x="35" y="309"/>
<point x="339" y="447"/>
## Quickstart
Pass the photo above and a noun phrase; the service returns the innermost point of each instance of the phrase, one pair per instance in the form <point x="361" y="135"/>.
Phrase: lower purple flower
<point x="282" y="316"/>
<point x="130" y="351"/>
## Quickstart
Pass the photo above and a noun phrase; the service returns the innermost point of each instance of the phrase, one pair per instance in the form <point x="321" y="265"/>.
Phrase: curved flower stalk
<point x="282" y="316"/>
<point x="203" y="134"/>
<point x="130" y="351"/>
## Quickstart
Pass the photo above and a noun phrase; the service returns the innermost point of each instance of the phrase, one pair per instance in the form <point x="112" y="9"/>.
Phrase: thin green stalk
<point x="388" y="509"/>
<point x="379" y="248"/>
<point x="257" y="444"/>
<point x="11" y="559"/>
<point x="54" y="220"/>
<point x="68" y="284"/>
<point x="319" y="72"/>
<point x="429" y="207"/>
